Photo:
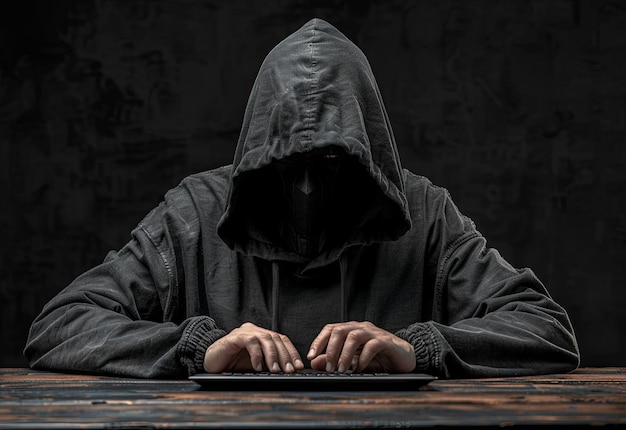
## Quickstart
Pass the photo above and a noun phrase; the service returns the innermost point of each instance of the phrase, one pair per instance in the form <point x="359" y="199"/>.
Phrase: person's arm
<point x="114" y="319"/>
<point x="135" y="314"/>
<point x="490" y="318"/>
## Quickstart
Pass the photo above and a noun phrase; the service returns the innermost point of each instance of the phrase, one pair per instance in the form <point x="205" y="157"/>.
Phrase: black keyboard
<point x="309" y="379"/>
<point x="307" y="373"/>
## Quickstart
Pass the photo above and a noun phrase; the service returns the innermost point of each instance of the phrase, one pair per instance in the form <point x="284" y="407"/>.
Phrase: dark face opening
<point x="308" y="203"/>
<point x="310" y="193"/>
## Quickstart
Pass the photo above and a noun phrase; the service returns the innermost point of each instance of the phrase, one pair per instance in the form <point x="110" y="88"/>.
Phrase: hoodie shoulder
<point x="434" y="207"/>
<point x="196" y="196"/>
<point x="418" y="185"/>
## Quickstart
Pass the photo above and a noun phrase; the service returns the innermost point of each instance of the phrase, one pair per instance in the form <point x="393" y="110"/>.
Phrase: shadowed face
<point x="309" y="194"/>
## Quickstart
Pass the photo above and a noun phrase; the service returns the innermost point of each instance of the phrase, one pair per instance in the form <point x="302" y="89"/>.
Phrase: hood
<point x="314" y="89"/>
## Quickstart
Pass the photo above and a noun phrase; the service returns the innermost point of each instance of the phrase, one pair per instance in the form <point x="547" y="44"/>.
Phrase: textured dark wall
<point x="517" y="107"/>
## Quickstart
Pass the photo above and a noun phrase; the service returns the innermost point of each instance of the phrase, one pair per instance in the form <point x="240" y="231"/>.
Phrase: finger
<point x="353" y="342"/>
<point x="224" y="354"/>
<point x="285" y="360"/>
<point x="335" y="346"/>
<point x="294" y="355"/>
<point x="319" y="362"/>
<point x="275" y="349"/>
<point x="213" y="361"/>
<point x="320" y="341"/>
<point x="280" y="353"/>
<point x="370" y="350"/>
<point x="270" y="351"/>
<point x="354" y="363"/>
<point x="253" y="347"/>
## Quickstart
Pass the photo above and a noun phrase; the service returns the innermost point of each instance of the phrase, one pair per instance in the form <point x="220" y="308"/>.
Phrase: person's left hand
<point x="359" y="346"/>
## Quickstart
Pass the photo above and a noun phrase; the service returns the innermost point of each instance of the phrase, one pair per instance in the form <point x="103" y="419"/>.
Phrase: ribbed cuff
<point x="425" y="345"/>
<point x="199" y="334"/>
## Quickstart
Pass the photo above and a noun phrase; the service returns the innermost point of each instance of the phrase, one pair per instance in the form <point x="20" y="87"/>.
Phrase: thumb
<point x="319" y="362"/>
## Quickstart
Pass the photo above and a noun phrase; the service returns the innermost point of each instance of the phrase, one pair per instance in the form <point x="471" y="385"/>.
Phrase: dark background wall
<point x="517" y="107"/>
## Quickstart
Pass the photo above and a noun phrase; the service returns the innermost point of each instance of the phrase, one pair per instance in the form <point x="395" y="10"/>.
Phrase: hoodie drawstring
<point x="343" y="270"/>
<point x="275" y="293"/>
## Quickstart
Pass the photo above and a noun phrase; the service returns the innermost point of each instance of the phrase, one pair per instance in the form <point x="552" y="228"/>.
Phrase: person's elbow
<point x="563" y="354"/>
<point x="570" y="356"/>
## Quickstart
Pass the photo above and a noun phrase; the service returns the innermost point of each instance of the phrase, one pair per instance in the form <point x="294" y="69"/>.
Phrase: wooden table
<point x="587" y="397"/>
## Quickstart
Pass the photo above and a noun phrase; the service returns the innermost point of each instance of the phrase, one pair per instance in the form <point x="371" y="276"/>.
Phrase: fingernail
<point x="342" y="368"/>
<point x="299" y="364"/>
<point x="311" y="353"/>
<point x="275" y="367"/>
<point x="329" y="367"/>
<point x="289" y="368"/>
<point x="259" y="367"/>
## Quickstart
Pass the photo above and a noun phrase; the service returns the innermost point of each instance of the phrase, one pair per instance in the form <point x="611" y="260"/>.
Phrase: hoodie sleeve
<point x="489" y="318"/>
<point x="121" y="317"/>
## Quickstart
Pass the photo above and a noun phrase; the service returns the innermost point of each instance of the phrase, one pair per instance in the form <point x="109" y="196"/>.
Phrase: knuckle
<point x="354" y="335"/>
<point x="375" y="345"/>
<point x="247" y="326"/>
<point x="341" y="330"/>
<point x="266" y="337"/>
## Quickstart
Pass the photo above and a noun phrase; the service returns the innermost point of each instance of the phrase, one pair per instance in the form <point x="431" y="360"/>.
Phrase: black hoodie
<point x="212" y="255"/>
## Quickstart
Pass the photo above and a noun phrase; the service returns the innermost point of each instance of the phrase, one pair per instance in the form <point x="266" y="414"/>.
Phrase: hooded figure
<point x="315" y="222"/>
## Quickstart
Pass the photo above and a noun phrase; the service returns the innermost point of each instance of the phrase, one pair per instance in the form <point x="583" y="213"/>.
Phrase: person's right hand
<point x="251" y="348"/>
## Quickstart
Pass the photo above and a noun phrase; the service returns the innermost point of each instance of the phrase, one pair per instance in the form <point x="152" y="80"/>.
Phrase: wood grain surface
<point x="587" y="397"/>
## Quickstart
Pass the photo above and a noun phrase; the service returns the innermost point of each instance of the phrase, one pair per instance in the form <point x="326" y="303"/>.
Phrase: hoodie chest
<point x="298" y="306"/>
<point x="305" y="305"/>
